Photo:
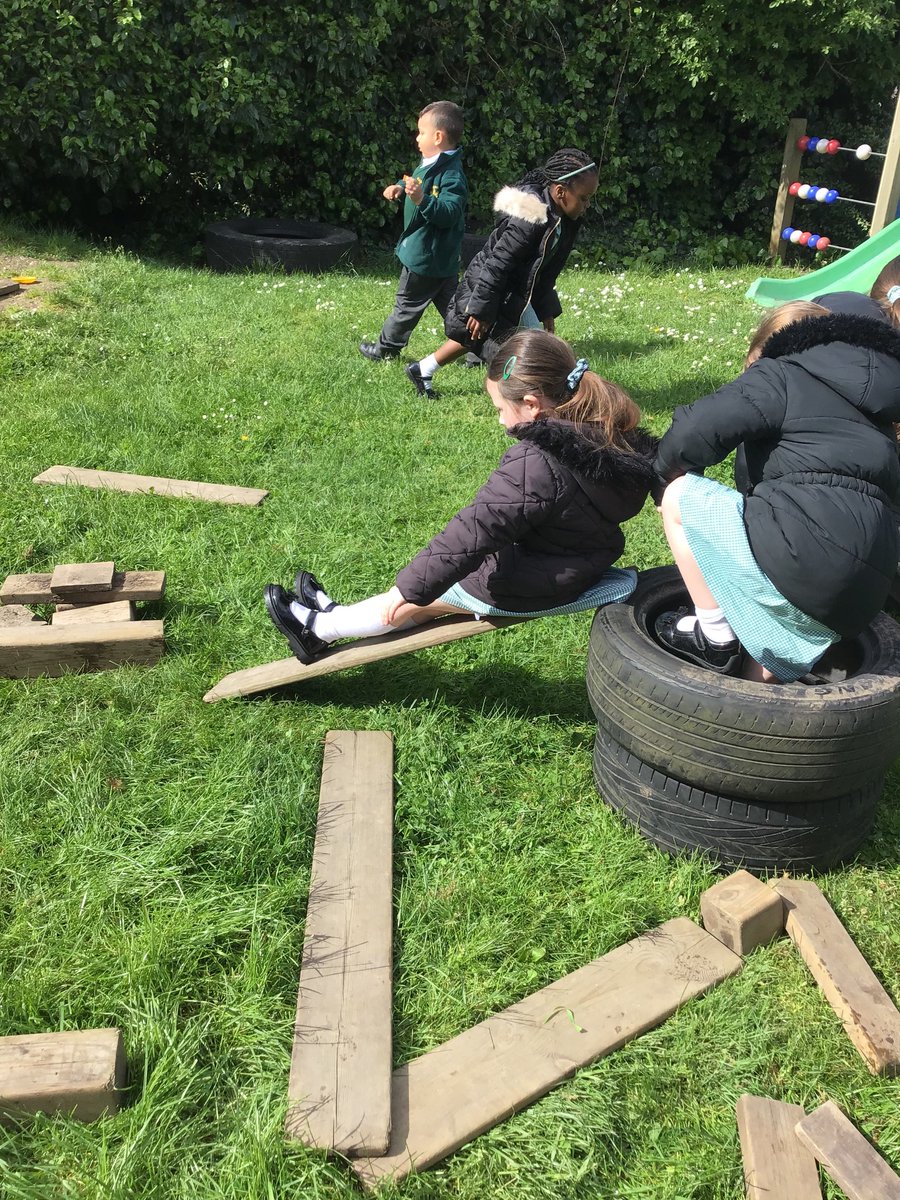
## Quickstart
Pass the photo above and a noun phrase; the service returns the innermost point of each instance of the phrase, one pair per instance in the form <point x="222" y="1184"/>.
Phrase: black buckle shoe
<point x="303" y="642"/>
<point x="305" y="588"/>
<point x="420" y="382"/>
<point x="374" y="352"/>
<point x="693" y="645"/>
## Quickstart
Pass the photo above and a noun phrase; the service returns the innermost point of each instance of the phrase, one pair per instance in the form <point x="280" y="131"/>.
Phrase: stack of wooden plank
<point x="92" y="627"/>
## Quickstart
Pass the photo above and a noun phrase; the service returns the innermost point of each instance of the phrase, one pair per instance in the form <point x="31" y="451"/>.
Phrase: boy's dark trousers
<point x="414" y="294"/>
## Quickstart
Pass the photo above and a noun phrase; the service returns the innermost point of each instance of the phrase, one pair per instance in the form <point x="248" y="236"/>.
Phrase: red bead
<point x="823" y="243"/>
<point x="804" y="238"/>
<point x="794" y="189"/>
<point x="802" y="143"/>
<point x="833" y="146"/>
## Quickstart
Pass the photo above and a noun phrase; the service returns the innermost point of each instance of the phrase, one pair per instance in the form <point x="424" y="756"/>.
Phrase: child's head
<point x="571" y="177"/>
<point x="535" y="376"/>
<point x="440" y="128"/>
<point x="776" y="319"/>
<point x="886" y="290"/>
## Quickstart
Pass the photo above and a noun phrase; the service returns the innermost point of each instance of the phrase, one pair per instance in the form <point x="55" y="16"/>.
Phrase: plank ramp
<point x="30" y="651"/>
<point x="354" y="654"/>
<point x="156" y="485"/>
<point x="339" y="1092"/>
<point x="849" y="984"/>
<point x="448" y="1096"/>
<point x="776" y="1165"/>
<point x="79" y="1074"/>
<point x="126" y="585"/>
<point x="851" y="1161"/>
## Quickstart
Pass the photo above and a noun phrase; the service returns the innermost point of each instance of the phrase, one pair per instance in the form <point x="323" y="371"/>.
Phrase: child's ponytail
<point x="536" y="363"/>
<point x="886" y="290"/>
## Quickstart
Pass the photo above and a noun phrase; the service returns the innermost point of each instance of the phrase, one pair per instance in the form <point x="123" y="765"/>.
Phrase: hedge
<point x="180" y="113"/>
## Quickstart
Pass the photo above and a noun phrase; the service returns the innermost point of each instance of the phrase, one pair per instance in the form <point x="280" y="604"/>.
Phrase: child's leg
<point x="681" y="551"/>
<point x="447" y="353"/>
<point x="366" y="618"/>
<point x="414" y="294"/>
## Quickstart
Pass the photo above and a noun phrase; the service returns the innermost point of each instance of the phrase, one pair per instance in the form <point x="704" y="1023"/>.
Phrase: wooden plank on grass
<point x="79" y="1074"/>
<point x="339" y="1092"/>
<point x="73" y="579"/>
<point x="28" y="652"/>
<point x="456" y="1091"/>
<point x="354" y="654"/>
<point x="17" y="614"/>
<point x="852" y="1162"/>
<point x="742" y="912"/>
<point x="126" y="585"/>
<point x="776" y="1165"/>
<point x="183" y="489"/>
<point x="851" y="987"/>
<point x="9" y="287"/>
<point x="80" y="614"/>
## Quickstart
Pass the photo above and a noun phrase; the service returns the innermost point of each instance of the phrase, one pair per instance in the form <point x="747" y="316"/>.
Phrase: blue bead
<point x="832" y="196"/>
<point x="813" y="240"/>
<point x="813" y="142"/>
<point x="786" y="233"/>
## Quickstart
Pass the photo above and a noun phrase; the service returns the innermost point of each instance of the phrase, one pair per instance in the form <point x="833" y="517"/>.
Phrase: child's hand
<point x="476" y="328"/>
<point x="414" y="189"/>
<point x="393" y="603"/>
<point x="393" y="191"/>
<point x="550" y="325"/>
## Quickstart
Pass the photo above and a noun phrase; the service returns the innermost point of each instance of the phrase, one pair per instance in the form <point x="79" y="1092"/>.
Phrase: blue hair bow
<point x="573" y="379"/>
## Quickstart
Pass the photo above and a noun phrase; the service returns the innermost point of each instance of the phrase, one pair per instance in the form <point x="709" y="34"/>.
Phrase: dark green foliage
<point x="172" y="114"/>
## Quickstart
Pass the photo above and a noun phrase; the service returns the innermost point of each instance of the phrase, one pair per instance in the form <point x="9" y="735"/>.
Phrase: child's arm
<point x="445" y="204"/>
<point x="705" y="432"/>
<point x="518" y="241"/>
<point x="501" y="513"/>
<point x="393" y="191"/>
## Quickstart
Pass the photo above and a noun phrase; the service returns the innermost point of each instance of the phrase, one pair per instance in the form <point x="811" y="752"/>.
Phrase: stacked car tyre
<point x="760" y="776"/>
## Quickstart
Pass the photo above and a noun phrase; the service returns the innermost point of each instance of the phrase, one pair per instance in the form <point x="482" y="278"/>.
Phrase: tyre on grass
<point x="276" y="243"/>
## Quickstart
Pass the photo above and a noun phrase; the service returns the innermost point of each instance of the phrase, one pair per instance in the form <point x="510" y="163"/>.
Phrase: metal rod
<point x="850" y="200"/>
<point x="850" y="150"/>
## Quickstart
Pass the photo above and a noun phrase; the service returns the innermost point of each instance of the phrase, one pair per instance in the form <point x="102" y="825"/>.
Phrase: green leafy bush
<point x="173" y="114"/>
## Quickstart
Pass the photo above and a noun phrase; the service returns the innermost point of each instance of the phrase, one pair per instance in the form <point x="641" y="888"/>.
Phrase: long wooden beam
<point x="156" y="485"/>
<point x="29" y="651"/>
<point x="126" y="585"/>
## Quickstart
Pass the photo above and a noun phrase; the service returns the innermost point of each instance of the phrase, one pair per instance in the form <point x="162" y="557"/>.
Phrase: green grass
<point x="155" y="851"/>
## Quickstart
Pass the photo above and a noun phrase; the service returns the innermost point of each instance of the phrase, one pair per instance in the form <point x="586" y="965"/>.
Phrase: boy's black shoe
<point x="303" y="642"/>
<point x="374" y="352"/>
<point x="472" y="360"/>
<point x="305" y="588"/>
<point x="694" y="646"/>
<point x="422" y="383"/>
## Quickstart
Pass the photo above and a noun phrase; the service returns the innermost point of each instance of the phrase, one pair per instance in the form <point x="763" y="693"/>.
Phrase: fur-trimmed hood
<point x="524" y="205"/>
<point x="865" y="332"/>
<point x="575" y="449"/>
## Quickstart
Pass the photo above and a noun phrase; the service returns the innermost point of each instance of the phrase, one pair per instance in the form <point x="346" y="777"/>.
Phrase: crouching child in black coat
<point x="807" y="556"/>
<point x="543" y="532"/>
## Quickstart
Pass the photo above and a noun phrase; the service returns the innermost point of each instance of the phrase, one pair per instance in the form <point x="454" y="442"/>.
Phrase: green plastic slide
<point x="853" y="272"/>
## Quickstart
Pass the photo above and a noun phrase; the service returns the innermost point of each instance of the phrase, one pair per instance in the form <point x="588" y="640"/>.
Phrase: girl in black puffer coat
<point x="809" y="554"/>
<point x="511" y="282"/>
<point x="544" y="530"/>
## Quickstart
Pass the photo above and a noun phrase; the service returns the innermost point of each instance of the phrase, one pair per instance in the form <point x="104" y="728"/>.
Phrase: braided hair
<point x="556" y="166"/>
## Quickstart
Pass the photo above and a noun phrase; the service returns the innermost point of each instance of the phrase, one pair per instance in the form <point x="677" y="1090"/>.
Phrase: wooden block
<point x="73" y="579"/>
<point x="851" y="988"/>
<point x="742" y="912"/>
<point x="852" y="1162"/>
<point x="9" y="287"/>
<point x="186" y="489"/>
<point x="80" y="614"/>
<point x="776" y="1165"/>
<point x="126" y="585"/>
<point x="48" y="650"/>
<point x="354" y="654"/>
<point x="77" y="1074"/>
<point x="456" y="1091"/>
<point x="339" y="1092"/>
<point x="16" y="614"/>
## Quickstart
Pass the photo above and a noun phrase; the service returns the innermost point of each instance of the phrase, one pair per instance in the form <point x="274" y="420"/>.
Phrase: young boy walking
<point x="434" y="214"/>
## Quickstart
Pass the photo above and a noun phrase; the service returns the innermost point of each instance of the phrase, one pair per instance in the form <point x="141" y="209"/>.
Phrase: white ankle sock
<point x="322" y="599"/>
<point x="715" y="627"/>
<point x="428" y="366"/>
<point x="364" y="619"/>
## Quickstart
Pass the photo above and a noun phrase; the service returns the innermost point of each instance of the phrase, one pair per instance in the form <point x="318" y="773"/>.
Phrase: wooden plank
<point x="80" y="614"/>
<point x="355" y="654"/>
<point x="27" y="652"/>
<point x="851" y="987"/>
<point x="339" y="1092"/>
<point x="852" y="1162"/>
<point x="17" y="614"/>
<point x="776" y="1165"/>
<point x="742" y="912"/>
<point x="80" y="1074"/>
<point x="73" y="579"/>
<point x="127" y="585"/>
<point x="784" y="201"/>
<point x="889" y="184"/>
<point x="183" y="489"/>
<point x="448" y="1096"/>
<point x="9" y="287"/>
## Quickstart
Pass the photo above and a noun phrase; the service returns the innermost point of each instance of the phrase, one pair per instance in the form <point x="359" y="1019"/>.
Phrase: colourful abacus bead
<point x="833" y="146"/>
<point x="833" y="195"/>
<point x="794" y="189"/>
<point x="803" y="191"/>
<point x="786" y="233"/>
<point x="802" y="143"/>
<point x="813" y="240"/>
<point x="820" y="195"/>
<point x="822" y="145"/>
<point x="811" y="145"/>
<point x="796" y="236"/>
<point x="864" y="151"/>
<point x="803" y="239"/>
<point x="824" y="243"/>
